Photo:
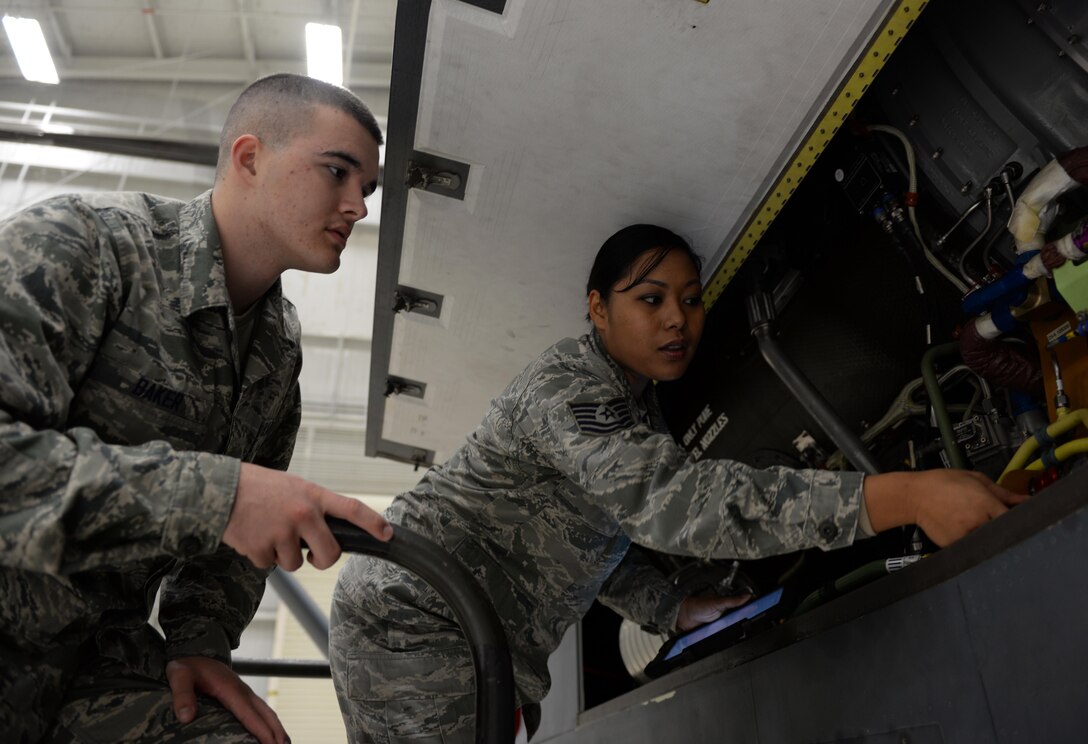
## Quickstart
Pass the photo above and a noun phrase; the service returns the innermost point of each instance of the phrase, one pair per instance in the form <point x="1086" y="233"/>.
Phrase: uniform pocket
<point x="423" y="697"/>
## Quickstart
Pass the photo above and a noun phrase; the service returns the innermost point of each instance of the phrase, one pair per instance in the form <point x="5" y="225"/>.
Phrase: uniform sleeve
<point x="68" y="501"/>
<point x="224" y="586"/>
<point x="207" y="602"/>
<point x="640" y="592"/>
<point x="664" y="499"/>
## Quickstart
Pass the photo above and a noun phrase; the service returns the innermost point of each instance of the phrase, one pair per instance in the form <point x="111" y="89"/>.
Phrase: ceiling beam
<point x="180" y="9"/>
<point x="193" y="153"/>
<point x="349" y="41"/>
<point x="47" y="155"/>
<point x="365" y="76"/>
<point x="149" y="20"/>
<point x="247" y="38"/>
<point x="63" y="47"/>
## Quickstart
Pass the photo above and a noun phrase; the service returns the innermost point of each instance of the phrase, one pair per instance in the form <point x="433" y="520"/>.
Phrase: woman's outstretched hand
<point x="946" y="504"/>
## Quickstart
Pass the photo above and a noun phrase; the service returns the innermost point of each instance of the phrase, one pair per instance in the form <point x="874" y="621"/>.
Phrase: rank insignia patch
<point x="602" y="418"/>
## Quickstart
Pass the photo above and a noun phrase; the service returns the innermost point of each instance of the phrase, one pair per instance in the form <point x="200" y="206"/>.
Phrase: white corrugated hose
<point x="638" y="648"/>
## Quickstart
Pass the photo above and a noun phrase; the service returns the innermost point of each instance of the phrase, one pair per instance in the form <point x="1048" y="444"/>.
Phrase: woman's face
<point x="652" y="329"/>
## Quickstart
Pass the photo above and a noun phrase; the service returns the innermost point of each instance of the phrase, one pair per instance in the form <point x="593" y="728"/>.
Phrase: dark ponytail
<point x="618" y="255"/>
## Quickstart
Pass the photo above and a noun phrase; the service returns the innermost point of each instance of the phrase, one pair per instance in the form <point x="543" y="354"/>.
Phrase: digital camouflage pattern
<point x="144" y="717"/>
<point x="123" y="417"/>
<point x="567" y="470"/>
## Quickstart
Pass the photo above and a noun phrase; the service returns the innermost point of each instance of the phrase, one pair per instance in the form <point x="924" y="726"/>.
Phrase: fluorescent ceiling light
<point x="31" y="52"/>
<point x="324" y="53"/>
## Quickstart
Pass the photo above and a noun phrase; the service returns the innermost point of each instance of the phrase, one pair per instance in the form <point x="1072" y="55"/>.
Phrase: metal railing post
<point x="303" y="607"/>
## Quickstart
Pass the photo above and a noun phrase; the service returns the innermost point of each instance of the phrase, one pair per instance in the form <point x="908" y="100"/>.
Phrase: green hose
<point x="936" y="399"/>
<point x="857" y="577"/>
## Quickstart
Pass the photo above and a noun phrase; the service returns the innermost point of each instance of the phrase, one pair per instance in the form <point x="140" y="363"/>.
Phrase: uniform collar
<point x="593" y="339"/>
<point x="595" y="343"/>
<point x="275" y="337"/>
<point x="203" y="279"/>
<point x="647" y="402"/>
<point x="620" y="377"/>
<point x="203" y="276"/>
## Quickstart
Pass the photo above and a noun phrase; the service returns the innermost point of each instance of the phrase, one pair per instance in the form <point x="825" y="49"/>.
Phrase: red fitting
<point x="1052" y="259"/>
<point x="910" y="198"/>
<point x="1041" y="481"/>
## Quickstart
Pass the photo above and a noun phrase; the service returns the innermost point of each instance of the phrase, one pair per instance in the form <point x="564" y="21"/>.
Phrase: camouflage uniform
<point x="118" y="380"/>
<point x="567" y="470"/>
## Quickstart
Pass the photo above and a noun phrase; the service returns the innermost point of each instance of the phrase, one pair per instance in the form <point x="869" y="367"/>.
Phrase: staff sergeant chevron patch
<point x="602" y="418"/>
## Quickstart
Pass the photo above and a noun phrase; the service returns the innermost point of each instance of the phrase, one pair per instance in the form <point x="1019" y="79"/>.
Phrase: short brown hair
<point x="278" y="107"/>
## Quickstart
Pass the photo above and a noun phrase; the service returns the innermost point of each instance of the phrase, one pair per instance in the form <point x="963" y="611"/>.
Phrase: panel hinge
<point x="412" y="300"/>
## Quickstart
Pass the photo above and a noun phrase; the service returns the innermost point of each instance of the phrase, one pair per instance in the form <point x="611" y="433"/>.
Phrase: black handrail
<point x="305" y="668"/>
<point x="472" y="609"/>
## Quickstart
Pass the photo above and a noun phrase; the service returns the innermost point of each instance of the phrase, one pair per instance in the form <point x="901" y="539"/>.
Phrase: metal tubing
<point x="472" y="609"/>
<point x="936" y="400"/>
<point x="282" y="668"/>
<point x="303" y="607"/>
<point x="761" y="316"/>
<point x="816" y="405"/>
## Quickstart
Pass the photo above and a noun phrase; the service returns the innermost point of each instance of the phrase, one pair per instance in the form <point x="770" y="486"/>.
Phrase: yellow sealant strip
<point x="871" y="61"/>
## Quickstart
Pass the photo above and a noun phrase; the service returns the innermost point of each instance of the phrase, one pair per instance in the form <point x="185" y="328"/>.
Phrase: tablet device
<point x="714" y="636"/>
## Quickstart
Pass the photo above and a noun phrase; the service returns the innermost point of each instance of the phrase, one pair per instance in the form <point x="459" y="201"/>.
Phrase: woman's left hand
<point x="700" y="610"/>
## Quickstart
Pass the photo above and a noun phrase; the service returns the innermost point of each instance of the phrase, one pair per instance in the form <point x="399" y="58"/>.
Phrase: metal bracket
<point x="401" y="386"/>
<point x="495" y="6"/>
<point x="761" y="313"/>
<point x="405" y="453"/>
<point x="412" y="300"/>
<point x="436" y="174"/>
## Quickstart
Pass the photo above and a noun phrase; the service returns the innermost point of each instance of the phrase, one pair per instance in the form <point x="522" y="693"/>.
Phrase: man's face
<point x="311" y="191"/>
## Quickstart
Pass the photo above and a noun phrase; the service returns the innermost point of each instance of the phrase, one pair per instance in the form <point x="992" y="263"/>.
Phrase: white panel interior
<point x="578" y="118"/>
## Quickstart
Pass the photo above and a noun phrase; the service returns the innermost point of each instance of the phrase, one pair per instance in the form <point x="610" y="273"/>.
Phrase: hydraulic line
<point x="936" y="400"/>
<point x="1006" y="183"/>
<point x="472" y="609"/>
<point x="962" y="218"/>
<point x="1063" y="453"/>
<point x="761" y="317"/>
<point x="1045" y="437"/>
<point x="858" y="577"/>
<point x="904" y="407"/>
<point x="912" y="175"/>
<point x="962" y="266"/>
<point x="890" y="217"/>
<point x="1061" y="400"/>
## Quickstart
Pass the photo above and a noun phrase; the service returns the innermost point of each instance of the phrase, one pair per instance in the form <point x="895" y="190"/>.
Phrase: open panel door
<point x="554" y="123"/>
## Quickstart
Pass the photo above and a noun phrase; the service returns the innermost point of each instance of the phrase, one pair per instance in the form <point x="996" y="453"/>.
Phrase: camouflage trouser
<point x="67" y="696"/>
<point x="144" y="716"/>
<point x="402" y="671"/>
